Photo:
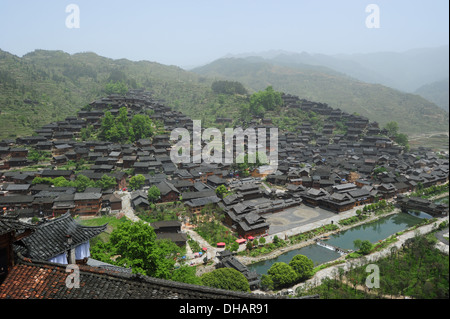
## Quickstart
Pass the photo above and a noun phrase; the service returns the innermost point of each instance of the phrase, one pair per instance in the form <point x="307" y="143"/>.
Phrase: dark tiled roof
<point x="43" y="280"/>
<point x="166" y="187"/>
<point x="12" y="224"/>
<point x="198" y="202"/>
<point x="49" y="238"/>
<point x="87" y="196"/>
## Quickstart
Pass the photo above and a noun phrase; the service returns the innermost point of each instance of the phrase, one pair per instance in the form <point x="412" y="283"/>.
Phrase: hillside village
<point x="326" y="168"/>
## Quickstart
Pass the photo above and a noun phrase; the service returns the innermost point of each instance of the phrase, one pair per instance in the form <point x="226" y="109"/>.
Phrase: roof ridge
<point x="139" y="278"/>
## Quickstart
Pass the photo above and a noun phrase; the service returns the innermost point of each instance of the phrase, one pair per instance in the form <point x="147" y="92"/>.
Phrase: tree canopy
<point x="136" y="181"/>
<point x="228" y="87"/>
<point x="120" y="129"/>
<point x="221" y="191"/>
<point x="302" y="265"/>
<point x="153" y="194"/>
<point x="226" y="278"/>
<point x="364" y="246"/>
<point x="401" y="138"/>
<point x="137" y="247"/>
<point x="282" y="274"/>
<point x="263" y="101"/>
<point x="392" y="128"/>
<point x="116" y="87"/>
<point x="80" y="183"/>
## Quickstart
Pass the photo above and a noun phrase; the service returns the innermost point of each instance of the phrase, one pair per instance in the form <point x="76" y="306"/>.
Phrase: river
<point x="373" y="231"/>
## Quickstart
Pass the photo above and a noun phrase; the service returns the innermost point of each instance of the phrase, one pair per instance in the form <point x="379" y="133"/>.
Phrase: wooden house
<point x="252" y="225"/>
<point x="18" y="152"/>
<point x="168" y="192"/>
<point x="195" y="205"/>
<point x="87" y="204"/>
<point x="337" y="202"/>
<point x="312" y="197"/>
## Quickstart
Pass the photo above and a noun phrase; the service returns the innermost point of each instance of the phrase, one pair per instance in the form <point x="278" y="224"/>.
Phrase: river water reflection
<point x="373" y="231"/>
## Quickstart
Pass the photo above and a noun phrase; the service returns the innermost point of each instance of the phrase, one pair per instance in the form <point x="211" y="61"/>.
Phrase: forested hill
<point x="413" y="113"/>
<point x="436" y="92"/>
<point x="45" y="86"/>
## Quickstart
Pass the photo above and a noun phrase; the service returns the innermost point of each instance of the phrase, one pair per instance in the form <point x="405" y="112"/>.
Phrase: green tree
<point x="116" y="87"/>
<point x="137" y="181"/>
<point x="153" y="194"/>
<point x="186" y="274"/>
<point x="262" y="240"/>
<point x="38" y="155"/>
<point x="106" y="127"/>
<point x="221" y="190"/>
<point x="263" y="101"/>
<point x="282" y="274"/>
<point x="234" y="246"/>
<point x="42" y="180"/>
<point x="82" y="182"/>
<point x="226" y="278"/>
<point x="136" y="246"/>
<point x="402" y="139"/>
<point x="379" y="169"/>
<point x="106" y="182"/>
<point x="392" y="128"/>
<point x="121" y="129"/>
<point x="62" y="182"/>
<point x="86" y="133"/>
<point x="122" y="117"/>
<point x="303" y="266"/>
<point x="364" y="246"/>
<point x="141" y="126"/>
<point x="228" y="87"/>
<point x="165" y="255"/>
<point x="266" y="282"/>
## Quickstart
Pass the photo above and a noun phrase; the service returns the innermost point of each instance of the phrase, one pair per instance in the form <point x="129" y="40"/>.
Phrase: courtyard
<point x="294" y="217"/>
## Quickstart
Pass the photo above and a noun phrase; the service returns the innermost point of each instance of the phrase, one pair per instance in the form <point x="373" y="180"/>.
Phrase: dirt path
<point x="426" y="135"/>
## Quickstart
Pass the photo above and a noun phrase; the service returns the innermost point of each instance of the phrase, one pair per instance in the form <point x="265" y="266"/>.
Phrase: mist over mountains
<point x="422" y="71"/>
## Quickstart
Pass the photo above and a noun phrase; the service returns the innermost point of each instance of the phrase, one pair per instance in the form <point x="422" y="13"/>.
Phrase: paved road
<point x="440" y="236"/>
<point x="126" y="206"/>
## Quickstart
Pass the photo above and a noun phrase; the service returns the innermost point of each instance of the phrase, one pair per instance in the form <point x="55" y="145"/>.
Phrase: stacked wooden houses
<point x="327" y="168"/>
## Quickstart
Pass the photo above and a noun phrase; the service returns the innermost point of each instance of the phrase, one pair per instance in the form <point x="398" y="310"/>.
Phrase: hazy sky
<point x="193" y="32"/>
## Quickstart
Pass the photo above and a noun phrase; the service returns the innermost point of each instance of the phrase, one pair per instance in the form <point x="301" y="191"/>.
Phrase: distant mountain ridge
<point x="436" y="92"/>
<point x="319" y="83"/>
<point x="406" y="71"/>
